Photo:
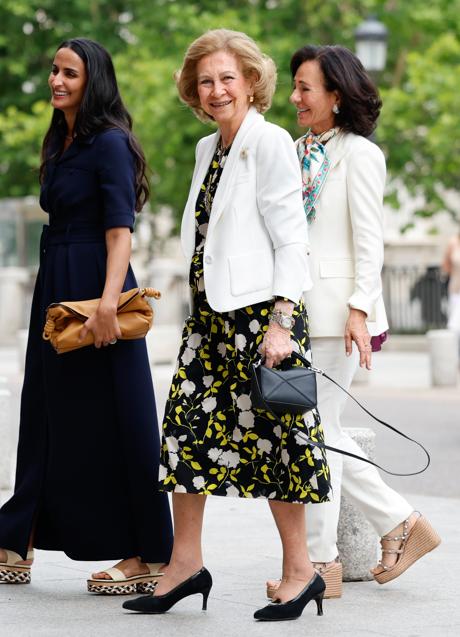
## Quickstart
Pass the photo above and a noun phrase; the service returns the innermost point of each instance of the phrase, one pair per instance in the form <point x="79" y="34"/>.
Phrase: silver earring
<point x="251" y="99"/>
<point x="335" y="109"/>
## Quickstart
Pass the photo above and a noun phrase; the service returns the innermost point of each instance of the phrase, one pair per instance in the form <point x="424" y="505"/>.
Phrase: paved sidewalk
<point x="242" y="549"/>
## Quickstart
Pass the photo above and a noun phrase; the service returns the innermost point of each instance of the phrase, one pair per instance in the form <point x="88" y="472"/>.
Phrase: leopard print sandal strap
<point x="11" y="572"/>
<point x="119" y="584"/>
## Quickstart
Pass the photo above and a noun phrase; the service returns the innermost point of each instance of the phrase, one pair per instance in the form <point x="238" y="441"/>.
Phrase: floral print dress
<point x="214" y="441"/>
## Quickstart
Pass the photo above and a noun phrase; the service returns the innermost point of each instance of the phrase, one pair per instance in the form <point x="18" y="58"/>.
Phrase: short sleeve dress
<point x="89" y="442"/>
<point x="214" y="441"/>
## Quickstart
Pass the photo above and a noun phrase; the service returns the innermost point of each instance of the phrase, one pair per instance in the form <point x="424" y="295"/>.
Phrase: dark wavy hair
<point x="343" y="72"/>
<point x="101" y="108"/>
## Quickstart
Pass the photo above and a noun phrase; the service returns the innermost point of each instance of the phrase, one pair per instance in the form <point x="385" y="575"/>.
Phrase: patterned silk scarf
<point x="315" y="165"/>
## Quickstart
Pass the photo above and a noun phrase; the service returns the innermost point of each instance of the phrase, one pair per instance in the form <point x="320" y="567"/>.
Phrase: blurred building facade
<point x="414" y="289"/>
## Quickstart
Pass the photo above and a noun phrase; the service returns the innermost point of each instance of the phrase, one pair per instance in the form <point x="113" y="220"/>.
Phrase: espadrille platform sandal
<point x="11" y="572"/>
<point x="331" y="574"/>
<point x="122" y="585"/>
<point x="415" y="543"/>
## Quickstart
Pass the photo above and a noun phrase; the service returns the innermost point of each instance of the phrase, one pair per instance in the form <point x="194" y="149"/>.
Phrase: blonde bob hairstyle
<point x="254" y="65"/>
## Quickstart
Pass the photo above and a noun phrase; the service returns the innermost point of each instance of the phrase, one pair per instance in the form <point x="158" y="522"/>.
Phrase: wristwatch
<point x="284" y="320"/>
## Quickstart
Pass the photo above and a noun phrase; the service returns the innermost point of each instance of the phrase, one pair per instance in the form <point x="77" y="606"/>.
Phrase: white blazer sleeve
<point x="365" y="184"/>
<point x="279" y="199"/>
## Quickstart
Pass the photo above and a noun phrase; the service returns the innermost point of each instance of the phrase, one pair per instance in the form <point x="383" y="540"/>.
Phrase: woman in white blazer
<point x="343" y="177"/>
<point x="245" y="236"/>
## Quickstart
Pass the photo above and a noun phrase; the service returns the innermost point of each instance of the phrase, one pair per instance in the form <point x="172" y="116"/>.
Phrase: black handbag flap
<point x="292" y="390"/>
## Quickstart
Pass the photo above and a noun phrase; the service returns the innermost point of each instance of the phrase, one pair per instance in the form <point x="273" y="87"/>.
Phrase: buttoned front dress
<point x="88" y="445"/>
<point x="214" y="441"/>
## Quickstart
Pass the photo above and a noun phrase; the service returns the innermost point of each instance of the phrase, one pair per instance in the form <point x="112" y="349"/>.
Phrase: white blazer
<point x="257" y="239"/>
<point x="346" y="254"/>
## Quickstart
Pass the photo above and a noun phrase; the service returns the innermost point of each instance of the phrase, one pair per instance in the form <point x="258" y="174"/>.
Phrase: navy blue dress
<point x="88" y="449"/>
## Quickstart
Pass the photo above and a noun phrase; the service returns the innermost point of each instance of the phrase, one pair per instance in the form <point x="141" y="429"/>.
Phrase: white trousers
<point x="454" y="312"/>
<point x="359" y="482"/>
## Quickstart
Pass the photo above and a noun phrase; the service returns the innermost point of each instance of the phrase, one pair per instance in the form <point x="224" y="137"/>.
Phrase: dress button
<point x="208" y="259"/>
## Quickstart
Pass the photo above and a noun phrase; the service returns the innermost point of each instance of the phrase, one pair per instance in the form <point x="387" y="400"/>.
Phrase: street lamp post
<point x="371" y="38"/>
<point x="371" y="44"/>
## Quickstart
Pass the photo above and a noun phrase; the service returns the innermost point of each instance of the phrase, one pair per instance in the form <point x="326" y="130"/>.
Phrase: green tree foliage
<point x="421" y="126"/>
<point x="149" y="37"/>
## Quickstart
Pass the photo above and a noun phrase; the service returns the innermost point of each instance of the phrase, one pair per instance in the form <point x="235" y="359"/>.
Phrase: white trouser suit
<point x="358" y="481"/>
<point x="346" y="257"/>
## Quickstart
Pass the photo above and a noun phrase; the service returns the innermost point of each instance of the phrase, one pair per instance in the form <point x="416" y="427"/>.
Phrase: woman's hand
<point x="356" y="330"/>
<point x="103" y="324"/>
<point x="276" y="346"/>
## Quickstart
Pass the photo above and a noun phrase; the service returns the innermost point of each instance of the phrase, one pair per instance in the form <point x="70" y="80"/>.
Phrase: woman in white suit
<point x="343" y="181"/>
<point x="244" y="234"/>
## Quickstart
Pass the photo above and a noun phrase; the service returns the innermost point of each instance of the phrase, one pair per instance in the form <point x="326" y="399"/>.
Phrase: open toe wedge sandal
<point x="122" y="585"/>
<point x="415" y="543"/>
<point x="13" y="573"/>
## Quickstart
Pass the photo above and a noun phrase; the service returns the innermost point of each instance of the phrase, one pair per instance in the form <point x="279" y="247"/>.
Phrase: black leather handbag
<point x="284" y="391"/>
<point x="293" y="391"/>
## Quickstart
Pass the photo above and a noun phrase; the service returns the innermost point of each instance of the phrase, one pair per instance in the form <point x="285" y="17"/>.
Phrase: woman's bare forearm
<point x="118" y="242"/>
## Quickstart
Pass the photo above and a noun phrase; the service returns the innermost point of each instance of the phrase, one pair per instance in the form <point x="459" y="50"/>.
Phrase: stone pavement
<point x="242" y="549"/>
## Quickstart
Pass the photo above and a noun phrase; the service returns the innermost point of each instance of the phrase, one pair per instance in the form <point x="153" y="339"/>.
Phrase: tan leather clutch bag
<point x="65" y="320"/>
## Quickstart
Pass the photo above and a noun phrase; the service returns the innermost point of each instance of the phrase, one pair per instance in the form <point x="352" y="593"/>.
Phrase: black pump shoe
<point x="200" y="582"/>
<point x="293" y="609"/>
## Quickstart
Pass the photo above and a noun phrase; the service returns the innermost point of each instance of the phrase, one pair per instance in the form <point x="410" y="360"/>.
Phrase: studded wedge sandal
<point x="119" y="584"/>
<point x="11" y="572"/>
<point x="331" y="574"/>
<point x="415" y="543"/>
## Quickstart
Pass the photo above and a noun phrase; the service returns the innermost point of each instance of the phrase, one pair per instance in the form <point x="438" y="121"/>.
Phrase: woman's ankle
<point x="322" y="564"/>
<point x="409" y="522"/>
<point x="298" y="572"/>
<point x="185" y="565"/>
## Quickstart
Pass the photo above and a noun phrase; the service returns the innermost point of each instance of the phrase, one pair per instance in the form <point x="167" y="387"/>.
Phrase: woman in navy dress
<point x="88" y="447"/>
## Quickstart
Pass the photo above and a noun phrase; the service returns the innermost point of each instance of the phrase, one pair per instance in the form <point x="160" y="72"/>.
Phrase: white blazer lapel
<point x="204" y="157"/>
<point x="224" y="188"/>
<point x="336" y="149"/>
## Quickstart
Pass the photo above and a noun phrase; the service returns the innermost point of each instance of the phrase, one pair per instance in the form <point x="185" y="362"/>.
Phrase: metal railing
<point x="415" y="298"/>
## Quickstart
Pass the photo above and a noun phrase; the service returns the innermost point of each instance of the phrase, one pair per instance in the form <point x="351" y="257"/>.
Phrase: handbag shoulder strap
<point x="321" y="445"/>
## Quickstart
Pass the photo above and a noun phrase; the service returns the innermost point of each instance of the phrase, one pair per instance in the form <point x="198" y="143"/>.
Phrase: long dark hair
<point x="101" y="108"/>
<point x="343" y="72"/>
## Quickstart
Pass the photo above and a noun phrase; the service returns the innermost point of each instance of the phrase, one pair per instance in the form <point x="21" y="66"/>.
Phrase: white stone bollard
<point x="357" y="541"/>
<point x="5" y="436"/>
<point x="443" y="348"/>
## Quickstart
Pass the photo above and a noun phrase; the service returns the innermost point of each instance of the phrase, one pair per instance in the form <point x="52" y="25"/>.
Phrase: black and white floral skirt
<point x="214" y="441"/>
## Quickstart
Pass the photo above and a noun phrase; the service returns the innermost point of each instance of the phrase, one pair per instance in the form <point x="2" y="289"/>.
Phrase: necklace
<point x="221" y="148"/>
<point x="219" y="158"/>
<point x="222" y="152"/>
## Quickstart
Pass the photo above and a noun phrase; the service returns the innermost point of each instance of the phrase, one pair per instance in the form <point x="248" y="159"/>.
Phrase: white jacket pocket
<point x="250" y="272"/>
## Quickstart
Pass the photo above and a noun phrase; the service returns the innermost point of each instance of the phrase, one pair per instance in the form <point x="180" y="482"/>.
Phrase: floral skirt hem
<point x="214" y="441"/>
<point x="236" y="493"/>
